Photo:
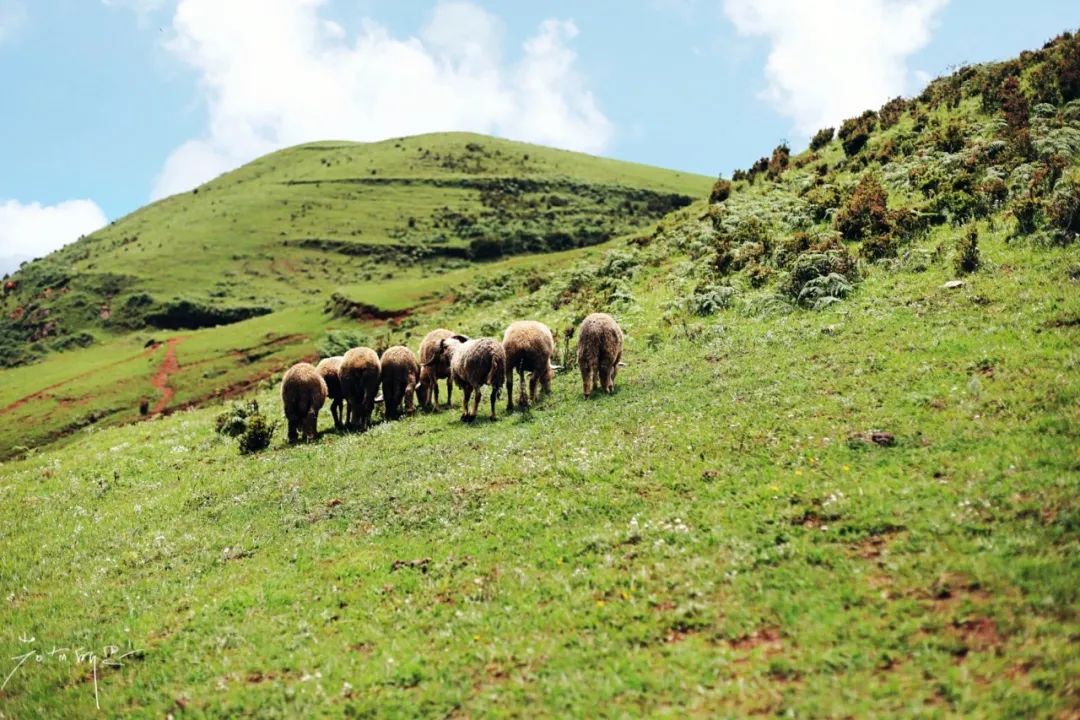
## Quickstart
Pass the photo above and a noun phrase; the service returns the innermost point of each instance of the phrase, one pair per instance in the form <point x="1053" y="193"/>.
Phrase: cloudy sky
<point x="109" y="104"/>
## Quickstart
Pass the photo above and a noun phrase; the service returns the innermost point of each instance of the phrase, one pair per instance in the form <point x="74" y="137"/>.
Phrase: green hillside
<point x="311" y="219"/>
<point x="838" y="478"/>
<point x="249" y="271"/>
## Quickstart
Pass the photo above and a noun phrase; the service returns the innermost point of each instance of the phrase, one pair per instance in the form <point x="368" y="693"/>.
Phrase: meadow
<point x="838" y="476"/>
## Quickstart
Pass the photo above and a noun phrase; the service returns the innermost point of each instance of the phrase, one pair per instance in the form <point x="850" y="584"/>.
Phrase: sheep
<point x="529" y="346"/>
<point x="303" y="392"/>
<point x="400" y="371"/>
<point x="600" y="345"/>
<point x="474" y="364"/>
<point x="330" y="368"/>
<point x="359" y="374"/>
<point x="434" y="367"/>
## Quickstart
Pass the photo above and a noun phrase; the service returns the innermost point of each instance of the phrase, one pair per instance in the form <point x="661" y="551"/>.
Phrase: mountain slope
<point x="838" y="477"/>
<point x="302" y="221"/>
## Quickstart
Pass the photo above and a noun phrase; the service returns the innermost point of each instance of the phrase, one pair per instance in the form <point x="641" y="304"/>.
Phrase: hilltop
<point x="838" y="477"/>
<point x="318" y="217"/>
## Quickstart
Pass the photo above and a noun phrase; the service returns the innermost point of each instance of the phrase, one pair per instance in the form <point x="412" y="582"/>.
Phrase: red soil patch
<point x="160" y="381"/>
<point x="767" y="637"/>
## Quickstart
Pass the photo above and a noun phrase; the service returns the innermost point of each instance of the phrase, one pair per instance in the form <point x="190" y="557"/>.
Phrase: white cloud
<point x="275" y="73"/>
<point x="34" y="230"/>
<point x="832" y="59"/>
<point x="12" y="17"/>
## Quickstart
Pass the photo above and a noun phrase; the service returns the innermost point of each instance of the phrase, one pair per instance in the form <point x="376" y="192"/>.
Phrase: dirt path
<point x="160" y="381"/>
<point x="46" y="390"/>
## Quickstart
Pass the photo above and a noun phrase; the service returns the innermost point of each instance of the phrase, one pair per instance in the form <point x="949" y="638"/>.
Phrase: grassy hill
<point x="248" y="272"/>
<point x="839" y="476"/>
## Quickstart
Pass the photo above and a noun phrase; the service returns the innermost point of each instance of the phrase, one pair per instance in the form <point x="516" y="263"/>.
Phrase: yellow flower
<point x="599" y="603"/>
<point x="846" y="468"/>
<point x="625" y="595"/>
<point x="798" y="471"/>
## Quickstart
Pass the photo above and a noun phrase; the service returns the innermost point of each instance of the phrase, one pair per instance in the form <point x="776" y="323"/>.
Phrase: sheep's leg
<point x="433" y="389"/>
<point x="449" y="392"/>
<point x="494" y="397"/>
<point x="586" y="379"/>
<point x="609" y="378"/>
<point x="476" y="402"/>
<point x="335" y="412"/>
<point x="534" y="384"/>
<point x="292" y="429"/>
<point x="465" y="403"/>
<point x="311" y="427"/>
<point x="510" y="391"/>
<point x="410" y="406"/>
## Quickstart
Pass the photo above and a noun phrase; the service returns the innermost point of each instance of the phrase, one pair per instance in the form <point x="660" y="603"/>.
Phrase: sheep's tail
<point x="497" y="368"/>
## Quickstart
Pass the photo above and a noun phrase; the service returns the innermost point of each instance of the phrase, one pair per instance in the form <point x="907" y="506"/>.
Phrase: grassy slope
<point x="712" y="540"/>
<point x="705" y="541"/>
<point x="104" y="384"/>
<point x="227" y="245"/>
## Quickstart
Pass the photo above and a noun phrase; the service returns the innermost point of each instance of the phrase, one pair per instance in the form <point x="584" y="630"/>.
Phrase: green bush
<point x="256" y="435"/>
<point x="890" y="112"/>
<point x="339" y="342"/>
<point x="246" y="422"/>
<point x="759" y="275"/>
<point x="950" y="137"/>
<point x="721" y="190"/>
<point x="854" y="132"/>
<point x="824" y="290"/>
<point x="966" y="258"/>
<point x="822" y="138"/>
<point x="709" y="299"/>
<point x="1063" y="210"/>
<point x="866" y="211"/>
<point x="778" y="163"/>
<point x="814" y="265"/>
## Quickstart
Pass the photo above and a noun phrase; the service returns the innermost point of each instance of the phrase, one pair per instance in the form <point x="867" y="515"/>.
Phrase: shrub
<point x="966" y="259"/>
<point x="232" y="421"/>
<point x="854" y="132"/>
<point x="824" y="290"/>
<point x="813" y="265"/>
<point x="876" y="247"/>
<point x="721" y="191"/>
<point x="759" y="275"/>
<point x="823" y="199"/>
<point x="950" y="137"/>
<point x="246" y="423"/>
<point x="1068" y="68"/>
<point x="256" y="435"/>
<point x="778" y="163"/>
<point x="1026" y="210"/>
<point x="1014" y="104"/>
<point x="339" y="342"/>
<point x="890" y="112"/>
<point x="1063" y="210"/>
<point x="709" y="299"/>
<point x="866" y="212"/>
<point x="822" y="138"/>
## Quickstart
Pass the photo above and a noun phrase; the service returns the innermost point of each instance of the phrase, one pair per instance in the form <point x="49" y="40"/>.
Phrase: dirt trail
<point x="160" y="381"/>
<point x="46" y="390"/>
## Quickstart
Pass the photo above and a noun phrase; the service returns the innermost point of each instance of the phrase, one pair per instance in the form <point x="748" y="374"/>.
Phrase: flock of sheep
<point x="355" y="378"/>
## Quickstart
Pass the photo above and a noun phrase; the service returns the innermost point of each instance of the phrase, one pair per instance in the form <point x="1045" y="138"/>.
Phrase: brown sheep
<point x="360" y="370"/>
<point x="400" y="371"/>
<point x="474" y="364"/>
<point x="434" y="367"/>
<point x="600" y="346"/>
<point x="529" y="346"/>
<point x="330" y="368"/>
<point x="303" y="392"/>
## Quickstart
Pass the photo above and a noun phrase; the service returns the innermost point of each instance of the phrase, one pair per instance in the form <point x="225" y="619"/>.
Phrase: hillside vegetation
<point x="204" y="295"/>
<point x="838" y="477"/>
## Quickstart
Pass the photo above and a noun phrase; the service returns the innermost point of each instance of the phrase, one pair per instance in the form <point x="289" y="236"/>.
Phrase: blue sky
<point x="110" y="103"/>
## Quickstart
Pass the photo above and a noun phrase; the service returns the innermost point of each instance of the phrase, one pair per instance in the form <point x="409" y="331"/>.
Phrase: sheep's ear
<point x="460" y="338"/>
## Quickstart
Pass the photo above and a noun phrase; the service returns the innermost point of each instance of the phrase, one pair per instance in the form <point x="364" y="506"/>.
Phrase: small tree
<point x="966" y="259"/>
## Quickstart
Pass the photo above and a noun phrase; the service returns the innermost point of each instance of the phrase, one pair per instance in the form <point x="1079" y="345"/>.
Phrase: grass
<point x="707" y="541"/>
